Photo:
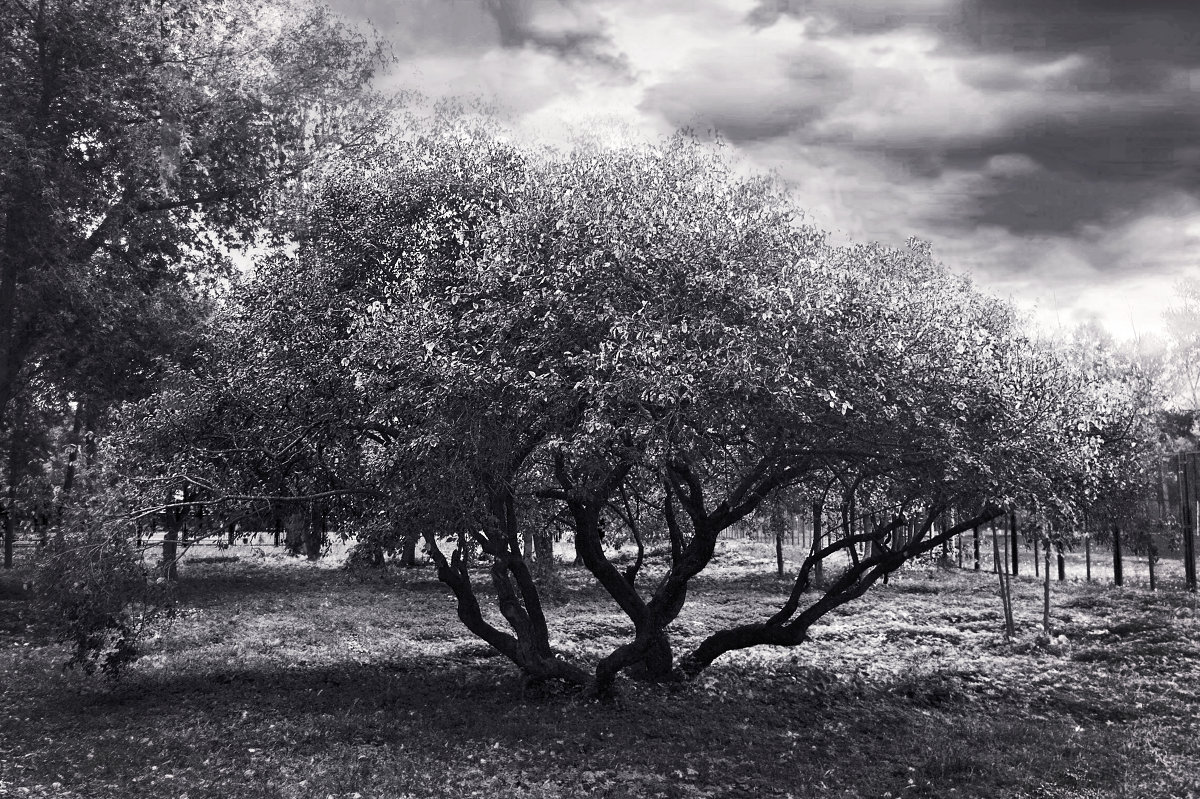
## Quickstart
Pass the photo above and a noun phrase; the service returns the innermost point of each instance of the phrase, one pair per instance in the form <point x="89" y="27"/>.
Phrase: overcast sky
<point x="1050" y="148"/>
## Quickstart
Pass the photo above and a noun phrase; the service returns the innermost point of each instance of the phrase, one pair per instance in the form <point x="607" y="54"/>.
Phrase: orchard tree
<point x="1183" y="339"/>
<point x="472" y="338"/>
<point x="140" y="144"/>
<point x="1123" y="502"/>
<point x="645" y="312"/>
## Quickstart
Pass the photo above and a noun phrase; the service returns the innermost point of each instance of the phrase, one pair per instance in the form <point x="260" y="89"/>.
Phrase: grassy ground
<point x="287" y="679"/>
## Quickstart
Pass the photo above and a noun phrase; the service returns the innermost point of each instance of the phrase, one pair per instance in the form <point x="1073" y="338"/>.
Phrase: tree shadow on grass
<point x="209" y="584"/>
<point x="213" y="585"/>
<point x="751" y="731"/>
<point x="444" y="691"/>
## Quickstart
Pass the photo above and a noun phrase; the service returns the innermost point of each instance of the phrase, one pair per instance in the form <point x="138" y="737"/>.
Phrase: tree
<point x="140" y="143"/>
<point x="1183" y="344"/>
<point x="1121" y="505"/>
<point x="473" y="337"/>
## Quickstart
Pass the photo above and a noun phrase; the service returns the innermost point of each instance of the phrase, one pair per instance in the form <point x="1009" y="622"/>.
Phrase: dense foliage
<point x="474" y="341"/>
<point x="141" y="144"/>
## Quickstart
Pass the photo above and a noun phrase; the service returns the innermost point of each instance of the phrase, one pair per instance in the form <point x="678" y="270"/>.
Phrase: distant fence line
<point x="1152" y="561"/>
<point x="1175" y="508"/>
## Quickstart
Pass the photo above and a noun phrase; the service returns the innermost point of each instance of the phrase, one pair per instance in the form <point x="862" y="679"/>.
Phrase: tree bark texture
<point x="1189" y="549"/>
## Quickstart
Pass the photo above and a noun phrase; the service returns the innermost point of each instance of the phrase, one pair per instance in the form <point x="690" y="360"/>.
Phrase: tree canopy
<point x="141" y="145"/>
<point x="472" y="338"/>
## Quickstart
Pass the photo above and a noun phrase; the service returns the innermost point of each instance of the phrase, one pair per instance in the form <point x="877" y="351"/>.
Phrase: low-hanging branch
<point x="783" y="630"/>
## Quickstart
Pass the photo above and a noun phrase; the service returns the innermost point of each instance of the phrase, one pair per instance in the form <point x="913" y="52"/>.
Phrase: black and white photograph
<point x="599" y="399"/>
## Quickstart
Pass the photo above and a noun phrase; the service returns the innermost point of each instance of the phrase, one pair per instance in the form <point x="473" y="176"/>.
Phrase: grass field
<point x="282" y="678"/>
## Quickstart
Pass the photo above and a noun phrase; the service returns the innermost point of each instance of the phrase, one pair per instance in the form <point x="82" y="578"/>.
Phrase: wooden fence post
<point x="1186" y="464"/>
<point x="819" y="566"/>
<point x="1012" y="532"/>
<point x="1118" y="572"/>
<point x="1046" y="585"/>
<point x="995" y="548"/>
<point x="778" y="525"/>
<point x="1087" y="554"/>
<point x="175" y="520"/>
<point x="1189" y="546"/>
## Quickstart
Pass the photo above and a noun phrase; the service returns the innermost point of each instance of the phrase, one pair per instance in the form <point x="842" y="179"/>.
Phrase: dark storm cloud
<point x="1119" y="146"/>
<point x="563" y="28"/>
<point x="1125" y="32"/>
<point x="793" y="88"/>
<point x="858" y="16"/>
<point x="582" y="38"/>
<point x="1131" y="32"/>
<point x="1103" y="96"/>
<point x="1039" y="202"/>
<point x="1116" y="144"/>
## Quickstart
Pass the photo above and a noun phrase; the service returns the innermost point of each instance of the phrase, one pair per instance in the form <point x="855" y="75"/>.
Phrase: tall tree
<point x="139" y="140"/>
<point x="1183" y="336"/>
<point x="140" y="143"/>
